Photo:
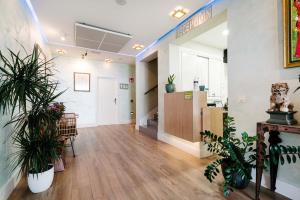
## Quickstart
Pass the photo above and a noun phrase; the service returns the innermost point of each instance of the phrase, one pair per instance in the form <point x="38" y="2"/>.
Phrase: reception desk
<point x="186" y="114"/>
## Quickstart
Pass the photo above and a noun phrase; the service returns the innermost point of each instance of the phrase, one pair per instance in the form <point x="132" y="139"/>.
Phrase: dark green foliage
<point x="36" y="150"/>
<point x="26" y="90"/>
<point x="231" y="154"/>
<point x="23" y="79"/>
<point x="287" y="154"/>
<point x="171" y="79"/>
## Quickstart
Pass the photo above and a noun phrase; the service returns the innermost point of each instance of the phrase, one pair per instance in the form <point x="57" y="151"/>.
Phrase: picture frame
<point x="82" y="82"/>
<point x="291" y="25"/>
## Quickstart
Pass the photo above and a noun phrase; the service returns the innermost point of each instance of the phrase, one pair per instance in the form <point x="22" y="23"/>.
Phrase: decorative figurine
<point x="279" y="99"/>
<point x="281" y="108"/>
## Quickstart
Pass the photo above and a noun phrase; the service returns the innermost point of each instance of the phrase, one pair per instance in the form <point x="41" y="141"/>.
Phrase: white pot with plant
<point x="27" y="88"/>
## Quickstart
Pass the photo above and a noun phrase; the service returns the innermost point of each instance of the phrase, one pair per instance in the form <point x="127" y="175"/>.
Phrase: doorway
<point x="107" y="101"/>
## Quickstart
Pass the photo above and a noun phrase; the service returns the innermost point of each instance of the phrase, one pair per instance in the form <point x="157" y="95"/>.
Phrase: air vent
<point x="93" y="37"/>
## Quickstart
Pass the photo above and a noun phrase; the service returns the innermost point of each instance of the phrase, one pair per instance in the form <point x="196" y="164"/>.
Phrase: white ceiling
<point x="214" y="37"/>
<point x="145" y="20"/>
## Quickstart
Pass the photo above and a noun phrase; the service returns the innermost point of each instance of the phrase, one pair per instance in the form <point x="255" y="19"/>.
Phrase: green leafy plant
<point x="27" y="88"/>
<point x="171" y="79"/>
<point x="237" y="156"/>
<point x="231" y="155"/>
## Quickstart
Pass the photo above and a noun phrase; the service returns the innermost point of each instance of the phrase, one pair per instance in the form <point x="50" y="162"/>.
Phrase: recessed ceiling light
<point x="121" y="2"/>
<point x="60" y="51"/>
<point x="62" y="38"/>
<point x="225" y="32"/>
<point x="179" y="12"/>
<point x="107" y="60"/>
<point x="138" y="46"/>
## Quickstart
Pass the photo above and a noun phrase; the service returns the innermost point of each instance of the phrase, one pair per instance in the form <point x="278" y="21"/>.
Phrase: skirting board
<point x="9" y="186"/>
<point x="282" y="188"/>
<point x="96" y="124"/>
<point x="197" y="149"/>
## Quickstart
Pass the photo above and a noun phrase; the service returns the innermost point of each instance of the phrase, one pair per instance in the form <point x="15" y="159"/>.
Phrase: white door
<point x="107" y="101"/>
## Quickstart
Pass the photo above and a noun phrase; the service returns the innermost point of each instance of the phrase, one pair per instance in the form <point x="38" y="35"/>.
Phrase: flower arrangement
<point x="56" y="110"/>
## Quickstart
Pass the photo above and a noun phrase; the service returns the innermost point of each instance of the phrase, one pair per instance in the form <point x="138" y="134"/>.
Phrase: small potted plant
<point x="170" y="87"/>
<point x="231" y="152"/>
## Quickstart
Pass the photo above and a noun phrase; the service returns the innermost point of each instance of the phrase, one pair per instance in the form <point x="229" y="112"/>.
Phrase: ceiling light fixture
<point x="138" y="46"/>
<point x="179" y="12"/>
<point x="121" y="2"/>
<point x="60" y="51"/>
<point x="225" y="32"/>
<point x="107" y="60"/>
<point x="62" y="38"/>
<point x="84" y="55"/>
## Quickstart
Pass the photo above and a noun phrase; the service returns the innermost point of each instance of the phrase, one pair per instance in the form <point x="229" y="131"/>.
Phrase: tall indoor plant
<point x="27" y="89"/>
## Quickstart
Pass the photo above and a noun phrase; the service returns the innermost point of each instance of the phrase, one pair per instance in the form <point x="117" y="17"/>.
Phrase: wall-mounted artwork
<point x="291" y="18"/>
<point x="81" y="82"/>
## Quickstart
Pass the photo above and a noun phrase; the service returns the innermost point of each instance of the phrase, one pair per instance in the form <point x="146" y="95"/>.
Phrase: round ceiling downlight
<point x="121" y="2"/>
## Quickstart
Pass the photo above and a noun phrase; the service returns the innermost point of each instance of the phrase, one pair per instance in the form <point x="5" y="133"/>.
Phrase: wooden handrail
<point x="150" y="90"/>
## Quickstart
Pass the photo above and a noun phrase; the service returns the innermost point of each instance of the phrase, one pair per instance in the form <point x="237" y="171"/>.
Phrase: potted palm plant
<point x="26" y="91"/>
<point x="170" y="87"/>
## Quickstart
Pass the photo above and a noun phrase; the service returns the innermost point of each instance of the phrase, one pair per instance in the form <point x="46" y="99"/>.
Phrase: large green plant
<point x="27" y="88"/>
<point x="231" y="152"/>
<point x="238" y="155"/>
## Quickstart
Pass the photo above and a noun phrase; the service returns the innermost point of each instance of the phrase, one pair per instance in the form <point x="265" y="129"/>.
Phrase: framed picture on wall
<point x="291" y="24"/>
<point x="82" y="82"/>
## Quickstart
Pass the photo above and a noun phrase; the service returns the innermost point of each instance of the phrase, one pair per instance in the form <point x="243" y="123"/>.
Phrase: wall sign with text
<point x="195" y="21"/>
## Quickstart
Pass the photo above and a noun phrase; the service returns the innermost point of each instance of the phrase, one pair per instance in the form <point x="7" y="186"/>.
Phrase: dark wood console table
<point x="274" y="131"/>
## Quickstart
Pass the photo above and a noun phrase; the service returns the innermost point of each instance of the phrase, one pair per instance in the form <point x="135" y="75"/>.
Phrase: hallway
<point x="116" y="162"/>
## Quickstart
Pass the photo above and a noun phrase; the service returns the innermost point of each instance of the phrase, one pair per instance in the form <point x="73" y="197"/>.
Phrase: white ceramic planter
<point x="40" y="182"/>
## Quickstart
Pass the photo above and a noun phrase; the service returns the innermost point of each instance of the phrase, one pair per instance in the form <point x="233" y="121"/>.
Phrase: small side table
<point x="274" y="132"/>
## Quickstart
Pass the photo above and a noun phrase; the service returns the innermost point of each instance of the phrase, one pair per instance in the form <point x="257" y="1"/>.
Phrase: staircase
<point x="150" y="129"/>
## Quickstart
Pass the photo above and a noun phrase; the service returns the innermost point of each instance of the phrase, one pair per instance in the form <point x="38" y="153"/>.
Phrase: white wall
<point x="255" y="49"/>
<point x="85" y="103"/>
<point x="218" y="70"/>
<point x="16" y="26"/>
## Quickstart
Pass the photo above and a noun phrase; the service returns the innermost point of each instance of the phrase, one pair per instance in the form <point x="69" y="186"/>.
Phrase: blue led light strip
<point x="33" y="13"/>
<point x="175" y="28"/>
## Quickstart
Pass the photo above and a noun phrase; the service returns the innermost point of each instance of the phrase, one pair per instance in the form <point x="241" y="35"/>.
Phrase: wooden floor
<point x="116" y="162"/>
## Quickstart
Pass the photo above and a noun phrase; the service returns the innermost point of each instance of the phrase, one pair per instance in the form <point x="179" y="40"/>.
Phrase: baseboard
<point x="197" y="149"/>
<point x="282" y="188"/>
<point x="87" y="125"/>
<point x="9" y="186"/>
<point x="97" y="124"/>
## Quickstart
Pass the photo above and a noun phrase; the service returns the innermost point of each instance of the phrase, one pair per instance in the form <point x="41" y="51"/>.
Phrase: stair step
<point x="152" y="122"/>
<point x="150" y="131"/>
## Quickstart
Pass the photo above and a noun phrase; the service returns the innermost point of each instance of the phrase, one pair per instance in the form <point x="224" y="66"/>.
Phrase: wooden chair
<point x="67" y="128"/>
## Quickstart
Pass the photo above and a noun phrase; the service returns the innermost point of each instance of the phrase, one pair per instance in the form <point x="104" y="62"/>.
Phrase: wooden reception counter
<point x="187" y="114"/>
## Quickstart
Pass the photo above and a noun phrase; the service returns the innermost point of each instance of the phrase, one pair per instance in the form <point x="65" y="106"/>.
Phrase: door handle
<point x="115" y="100"/>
